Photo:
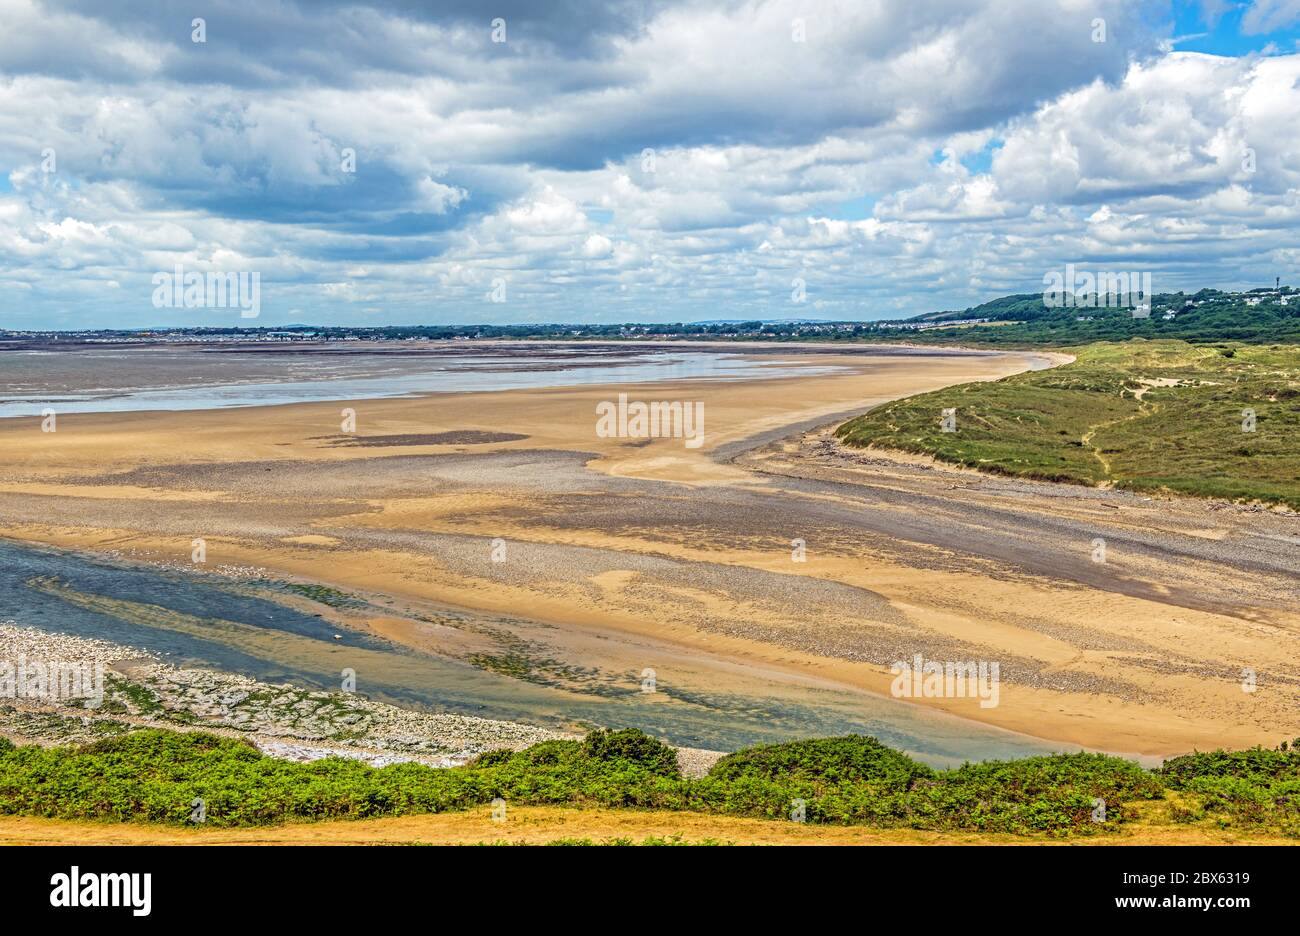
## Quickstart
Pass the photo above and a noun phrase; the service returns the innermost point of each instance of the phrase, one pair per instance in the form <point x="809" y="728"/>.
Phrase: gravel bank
<point x="281" y="720"/>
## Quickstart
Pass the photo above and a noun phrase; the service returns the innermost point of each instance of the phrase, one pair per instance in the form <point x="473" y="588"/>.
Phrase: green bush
<point x="155" y="776"/>
<point x="493" y="758"/>
<point x="1258" y="788"/>
<point x="824" y="762"/>
<point x="633" y="746"/>
<point x="1256" y="764"/>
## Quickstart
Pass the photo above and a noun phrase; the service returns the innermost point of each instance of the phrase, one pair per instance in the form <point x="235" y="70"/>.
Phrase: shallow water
<point x="102" y="381"/>
<point x="194" y="620"/>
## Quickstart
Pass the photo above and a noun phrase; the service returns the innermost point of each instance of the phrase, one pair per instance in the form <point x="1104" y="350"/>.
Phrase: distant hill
<point x="1261" y="315"/>
<point x="1017" y="308"/>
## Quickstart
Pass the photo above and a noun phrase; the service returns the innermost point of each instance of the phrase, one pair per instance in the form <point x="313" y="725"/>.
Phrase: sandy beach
<point x="610" y="555"/>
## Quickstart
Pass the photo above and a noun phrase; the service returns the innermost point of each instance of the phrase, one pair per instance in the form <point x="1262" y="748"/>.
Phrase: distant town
<point x="1256" y="314"/>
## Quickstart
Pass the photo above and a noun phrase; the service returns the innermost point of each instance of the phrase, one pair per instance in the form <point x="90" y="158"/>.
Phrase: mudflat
<point x="768" y="559"/>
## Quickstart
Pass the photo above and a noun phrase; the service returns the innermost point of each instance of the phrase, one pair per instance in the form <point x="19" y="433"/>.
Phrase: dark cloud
<point x="331" y="42"/>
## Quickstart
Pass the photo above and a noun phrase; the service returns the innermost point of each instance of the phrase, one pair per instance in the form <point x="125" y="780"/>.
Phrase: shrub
<point x="1256" y="764"/>
<point x="633" y="746"/>
<point x="1255" y="787"/>
<point x="155" y="775"/>
<point x="824" y="762"/>
<point x="548" y="753"/>
<point x="493" y="758"/>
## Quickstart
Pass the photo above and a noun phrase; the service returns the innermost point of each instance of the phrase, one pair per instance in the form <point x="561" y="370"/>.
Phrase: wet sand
<point x="621" y="555"/>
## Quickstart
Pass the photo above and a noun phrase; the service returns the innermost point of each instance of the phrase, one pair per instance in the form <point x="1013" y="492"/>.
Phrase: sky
<point x="478" y="161"/>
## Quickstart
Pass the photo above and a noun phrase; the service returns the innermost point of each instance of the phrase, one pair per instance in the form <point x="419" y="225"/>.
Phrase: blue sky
<point x="637" y="160"/>
<point x="1217" y="28"/>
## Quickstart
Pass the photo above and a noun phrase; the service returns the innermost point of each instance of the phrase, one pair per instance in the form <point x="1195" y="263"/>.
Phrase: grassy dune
<point x="1141" y="415"/>
<point x="159" y="776"/>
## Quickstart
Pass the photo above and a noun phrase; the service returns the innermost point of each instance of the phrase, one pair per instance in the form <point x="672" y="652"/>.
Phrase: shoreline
<point x="141" y="690"/>
<point x="83" y="401"/>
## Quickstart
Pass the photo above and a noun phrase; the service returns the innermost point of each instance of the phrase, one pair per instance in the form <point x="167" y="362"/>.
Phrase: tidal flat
<point x="509" y="561"/>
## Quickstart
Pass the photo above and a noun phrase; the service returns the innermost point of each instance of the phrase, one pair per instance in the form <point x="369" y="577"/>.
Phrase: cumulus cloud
<point x="1264" y="16"/>
<point x="627" y="160"/>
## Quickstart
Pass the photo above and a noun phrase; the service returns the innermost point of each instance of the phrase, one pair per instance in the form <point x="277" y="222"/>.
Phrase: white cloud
<point x="905" y="156"/>
<point x="1264" y="16"/>
<point x="597" y="247"/>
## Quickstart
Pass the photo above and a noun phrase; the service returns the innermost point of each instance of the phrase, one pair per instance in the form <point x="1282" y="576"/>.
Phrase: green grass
<point x="1103" y="420"/>
<point x="155" y="776"/>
